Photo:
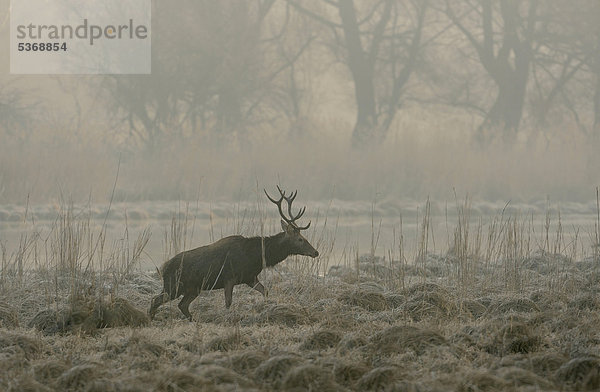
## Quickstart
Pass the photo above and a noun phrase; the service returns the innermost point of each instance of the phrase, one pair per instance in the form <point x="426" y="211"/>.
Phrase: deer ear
<point x="286" y="227"/>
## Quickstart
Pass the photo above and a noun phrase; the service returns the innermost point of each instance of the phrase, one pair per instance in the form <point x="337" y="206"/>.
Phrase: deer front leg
<point x="228" y="293"/>
<point x="256" y="285"/>
<point x="185" y="302"/>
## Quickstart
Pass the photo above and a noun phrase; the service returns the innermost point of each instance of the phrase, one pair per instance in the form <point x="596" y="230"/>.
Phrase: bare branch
<point x="378" y="32"/>
<point x="313" y="15"/>
<point x="450" y="13"/>
<point x="371" y="12"/>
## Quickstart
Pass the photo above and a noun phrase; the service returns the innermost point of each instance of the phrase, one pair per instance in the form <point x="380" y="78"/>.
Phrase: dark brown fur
<point x="228" y="262"/>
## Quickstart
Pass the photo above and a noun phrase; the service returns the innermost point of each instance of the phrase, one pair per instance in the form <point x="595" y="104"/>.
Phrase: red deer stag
<point x="231" y="261"/>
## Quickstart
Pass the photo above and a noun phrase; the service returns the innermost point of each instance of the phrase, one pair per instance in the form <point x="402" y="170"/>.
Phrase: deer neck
<point x="275" y="249"/>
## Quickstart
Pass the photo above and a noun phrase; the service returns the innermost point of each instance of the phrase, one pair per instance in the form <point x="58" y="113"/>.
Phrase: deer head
<point x="298" y="245"/>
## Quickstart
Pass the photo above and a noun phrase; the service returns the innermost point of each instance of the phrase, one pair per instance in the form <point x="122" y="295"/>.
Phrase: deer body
<point x="226" y="263"/>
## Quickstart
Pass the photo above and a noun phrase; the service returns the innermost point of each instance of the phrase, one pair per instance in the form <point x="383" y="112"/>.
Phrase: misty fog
<point x="442" y="159"/>
<point x="368" y="108"/>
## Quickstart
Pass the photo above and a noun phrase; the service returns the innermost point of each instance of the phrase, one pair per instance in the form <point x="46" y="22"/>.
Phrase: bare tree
<point x="290" y="71"/>
<point x="213" y="71"/>
<point x="576" y="36"/>
<point x="567" y="44"/>
<point x="380" y="44"/>
<point x="502" y="33"/>
<point x="16" y="112"/>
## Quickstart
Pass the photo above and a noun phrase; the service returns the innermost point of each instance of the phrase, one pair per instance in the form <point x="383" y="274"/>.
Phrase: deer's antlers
<point x="289" y="199"/>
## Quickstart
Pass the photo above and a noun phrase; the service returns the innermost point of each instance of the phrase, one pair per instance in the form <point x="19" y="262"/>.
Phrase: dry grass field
<point x="493" y="313"/>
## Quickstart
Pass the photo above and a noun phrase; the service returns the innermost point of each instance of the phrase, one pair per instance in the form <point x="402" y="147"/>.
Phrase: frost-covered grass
<point x="345" y="331"/>
<point x="506" y="307"/>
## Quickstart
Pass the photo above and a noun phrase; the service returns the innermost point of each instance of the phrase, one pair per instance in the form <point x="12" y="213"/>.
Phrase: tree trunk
<point x="507" y="110"/>
<point x="363" y="73"/>
<point x="509" y="67"/>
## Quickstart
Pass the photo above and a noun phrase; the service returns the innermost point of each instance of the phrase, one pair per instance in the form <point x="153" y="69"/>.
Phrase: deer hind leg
<point x="184" y="304"/>
<point x="256" y="285"/>
<point x="156" y="302"/>
<point x="228" y="293"/>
